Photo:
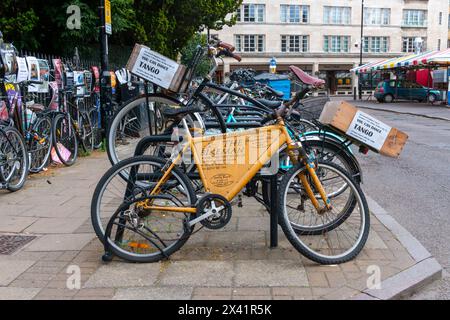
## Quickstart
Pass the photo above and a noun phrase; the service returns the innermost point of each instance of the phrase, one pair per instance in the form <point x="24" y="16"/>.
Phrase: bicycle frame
<point x="219" y="179"/>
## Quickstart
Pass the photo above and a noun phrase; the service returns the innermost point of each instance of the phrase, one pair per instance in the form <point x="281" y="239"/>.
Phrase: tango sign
<point x="368" y="130"/>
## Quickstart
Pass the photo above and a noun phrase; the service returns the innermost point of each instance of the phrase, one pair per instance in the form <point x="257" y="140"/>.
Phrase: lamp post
<point x="361" y="44"/>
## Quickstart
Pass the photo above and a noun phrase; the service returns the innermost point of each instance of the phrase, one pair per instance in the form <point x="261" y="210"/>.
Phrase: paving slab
<point x="10" y="293"/>
<point x="11" y="269"/>
<point x="116" y="275"/>
<point x="15" y="224"/>
<point x="154" y="293"/>
<point x="55" y="225"/>
<point x="270" y="273"/>
<point x="198" y="273"/>
<point x="60" y="242"/>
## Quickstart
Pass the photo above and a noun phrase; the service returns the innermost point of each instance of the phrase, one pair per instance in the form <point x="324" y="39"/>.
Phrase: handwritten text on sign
<point x="368" y="130"/>
<point x="155" y="68"/>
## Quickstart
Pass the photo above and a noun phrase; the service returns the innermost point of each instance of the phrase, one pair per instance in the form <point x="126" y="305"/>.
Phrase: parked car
<point x="389" y="90"/>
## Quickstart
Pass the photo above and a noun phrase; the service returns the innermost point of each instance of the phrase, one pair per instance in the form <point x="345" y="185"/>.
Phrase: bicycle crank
<point x="213" y="212"/>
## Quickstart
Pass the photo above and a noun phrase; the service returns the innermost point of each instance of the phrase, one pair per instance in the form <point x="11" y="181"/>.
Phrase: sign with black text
<point x="368" y="130"/>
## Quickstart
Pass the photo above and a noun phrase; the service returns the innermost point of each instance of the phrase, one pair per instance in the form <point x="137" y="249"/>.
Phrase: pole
<point x="361" y="48"/>
<point x="105" y="78"/>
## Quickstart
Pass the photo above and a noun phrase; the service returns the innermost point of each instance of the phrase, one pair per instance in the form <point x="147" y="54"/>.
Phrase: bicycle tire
<point x="37" y="164"/>
<point x="95" y="207"/>
<point x="293" y="236"/>
<point x="71" y="144"/>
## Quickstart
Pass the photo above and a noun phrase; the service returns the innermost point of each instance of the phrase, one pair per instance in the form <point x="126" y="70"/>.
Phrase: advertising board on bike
<point x="156" y="68"/>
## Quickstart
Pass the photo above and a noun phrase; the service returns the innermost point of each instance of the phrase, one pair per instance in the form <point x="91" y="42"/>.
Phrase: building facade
<point x="323" y="37"/>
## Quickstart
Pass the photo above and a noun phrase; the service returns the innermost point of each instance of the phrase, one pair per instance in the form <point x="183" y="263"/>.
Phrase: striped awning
<point x="422" y="59"/>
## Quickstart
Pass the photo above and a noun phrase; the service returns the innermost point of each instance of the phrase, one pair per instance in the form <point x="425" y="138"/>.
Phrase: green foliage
<point x="188" y="52"/>
<point x="165" y="25"/>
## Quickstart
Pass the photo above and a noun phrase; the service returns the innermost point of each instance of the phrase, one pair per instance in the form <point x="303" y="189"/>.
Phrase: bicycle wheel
<point x="40" y="143"/>
<point x="65" y="139"/>
<point x="335" y="236"/>
<point x="94" y="116"/>
<point x="133" y="232"/>
<point x="132" y="122"/>
<point x="14" y="159"/>
<point x="86" y="132"/>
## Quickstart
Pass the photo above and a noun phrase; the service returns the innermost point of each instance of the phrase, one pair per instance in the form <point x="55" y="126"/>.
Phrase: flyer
<point x="44" y="75"/>
<point x="33" y="73"/>
<point x="22" y="72"/>
<point x="58" y="71"/>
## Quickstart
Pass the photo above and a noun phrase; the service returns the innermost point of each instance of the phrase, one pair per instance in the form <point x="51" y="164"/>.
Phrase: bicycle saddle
<point x="270" y="103"/>
<point x="306" y="78"/>
<point x="172" y="112"/>
<point x="36" y="107"/>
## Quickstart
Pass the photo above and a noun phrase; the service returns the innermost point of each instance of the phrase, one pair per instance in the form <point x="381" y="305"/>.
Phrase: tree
<point x="165" y="25"/>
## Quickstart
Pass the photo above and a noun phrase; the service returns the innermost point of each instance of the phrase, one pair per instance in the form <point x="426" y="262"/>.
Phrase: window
<point x="249" y="42"/>
<point x="409" y="45"/>
<point x="251" y="13"/>
<point x="294" y="14"/>
<point x="414" y="18"/>
<point x="439" y="45"/>
<point x="294" y="43"/>
<point x="376" y="44"/>
<point x="377" y="16"/>
<point x="440" y="18"/>
<point x="337" y="15"/>
<point x="336" y="44"/>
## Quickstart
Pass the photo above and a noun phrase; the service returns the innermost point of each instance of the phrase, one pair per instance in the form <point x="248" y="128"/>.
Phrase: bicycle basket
<point x="311" y="108"/>
<point x="160" y="70"/>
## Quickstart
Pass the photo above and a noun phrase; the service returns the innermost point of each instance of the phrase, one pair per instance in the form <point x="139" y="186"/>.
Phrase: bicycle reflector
<point x="138" y="245"/>
<point x="363" y="149"/>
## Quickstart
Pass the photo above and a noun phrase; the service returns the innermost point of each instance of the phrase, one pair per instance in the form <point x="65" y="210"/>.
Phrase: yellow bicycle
<point x="144" y="208"/>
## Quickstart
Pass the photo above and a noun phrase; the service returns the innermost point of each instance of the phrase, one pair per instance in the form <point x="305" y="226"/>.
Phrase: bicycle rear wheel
<point x="132" y="232"/>
<point x="86" y="132"/>
<point x="65" y="139"/>
<point x="332" y="237"/>
<point x="40" y="144"/>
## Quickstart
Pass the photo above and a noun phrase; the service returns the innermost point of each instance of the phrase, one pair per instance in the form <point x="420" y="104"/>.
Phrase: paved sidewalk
<point x="234" y="263"/>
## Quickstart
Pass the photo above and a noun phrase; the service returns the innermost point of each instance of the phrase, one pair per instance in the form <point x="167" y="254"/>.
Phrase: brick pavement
<point x="235" y="263"/>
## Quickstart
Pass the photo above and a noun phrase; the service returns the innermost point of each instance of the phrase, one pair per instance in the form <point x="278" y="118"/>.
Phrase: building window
<point x="377" y="16"/>
<point x="337" y="15"/>
<point x="409" y="45"/>
<point x="336" y="44"/>
<point x="249" y="42"/>
<point x="294" y="43"/>
<point x="376" y="44"/>
<point x="439" y="45"/>
<point x="440" y="18"/>
<point x="414" y="18"/>
<point x="294" y="14"/>
<point x="251" y="13"/>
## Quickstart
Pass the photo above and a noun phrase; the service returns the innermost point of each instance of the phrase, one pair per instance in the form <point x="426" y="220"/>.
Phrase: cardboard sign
<point x="368" y="130"/>
<point x="155" y="68"/>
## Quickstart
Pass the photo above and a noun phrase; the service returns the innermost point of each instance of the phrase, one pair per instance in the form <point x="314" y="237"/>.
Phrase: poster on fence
<point x="96" y="76"/>
<point x="58" y="71"/>
<point x="33" y="73"/>
<point x="22" y="69"/>
<point x="44" y="74"/>
<point x="78" y="77"/>
<point x="54" y="103"/>
<point x="88" y="83"/>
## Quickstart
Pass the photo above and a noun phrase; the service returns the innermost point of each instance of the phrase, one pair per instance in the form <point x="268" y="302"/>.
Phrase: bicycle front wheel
<point x="65" y="139"/>
<point x="332" y="237"/>
<point x="13" y="159"/>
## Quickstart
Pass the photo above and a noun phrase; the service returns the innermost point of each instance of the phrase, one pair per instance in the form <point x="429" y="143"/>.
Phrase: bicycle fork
<point x="310" y="167"/>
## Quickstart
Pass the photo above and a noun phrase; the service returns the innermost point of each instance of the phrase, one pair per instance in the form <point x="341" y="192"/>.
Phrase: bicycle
<point x="151" y="207"/>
